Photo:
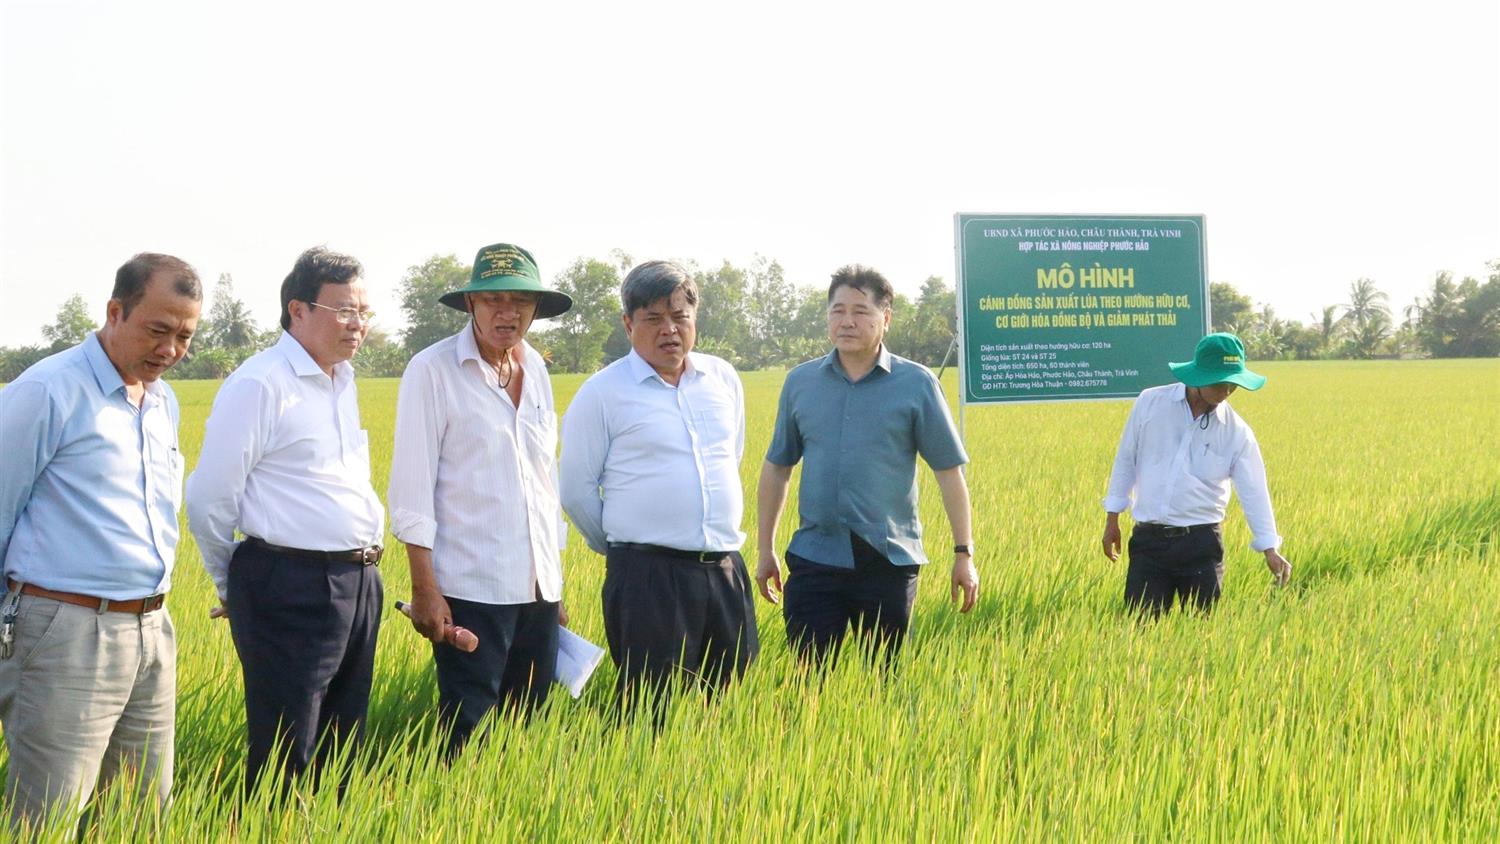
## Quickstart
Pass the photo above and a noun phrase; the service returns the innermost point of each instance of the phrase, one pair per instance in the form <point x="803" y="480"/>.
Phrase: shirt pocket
<point x="714" y="421"/>
<point x="165" y="464"/>
<point x="362" y="452"/>
<point x="1210" y="464"/>
<point x="540" y="425"/>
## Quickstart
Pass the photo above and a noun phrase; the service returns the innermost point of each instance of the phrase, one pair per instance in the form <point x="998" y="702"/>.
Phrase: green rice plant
<point x="1355" y="704"/>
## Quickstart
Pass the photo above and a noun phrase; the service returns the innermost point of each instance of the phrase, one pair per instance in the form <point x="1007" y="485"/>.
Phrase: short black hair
<point x="133" y="276"/>
<point x="861" y="277"/>
<point x="654" y="281"/>
<point x="314" y="268"/>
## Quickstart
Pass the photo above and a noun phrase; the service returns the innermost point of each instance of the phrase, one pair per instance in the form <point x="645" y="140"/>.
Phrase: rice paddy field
<point x="1357" y="704"/>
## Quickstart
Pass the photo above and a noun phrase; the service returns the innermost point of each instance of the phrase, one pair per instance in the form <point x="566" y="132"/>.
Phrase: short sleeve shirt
<point x="858" y="443"/>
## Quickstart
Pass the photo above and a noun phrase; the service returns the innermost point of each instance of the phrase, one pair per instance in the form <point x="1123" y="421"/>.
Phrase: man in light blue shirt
<point x="857" y="419"/>
<point x="90" y="483"/>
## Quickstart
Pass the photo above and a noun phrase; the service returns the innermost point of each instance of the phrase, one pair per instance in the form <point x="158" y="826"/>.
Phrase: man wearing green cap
<point x="1182" y="448"/>
<point x="473" y="494"/>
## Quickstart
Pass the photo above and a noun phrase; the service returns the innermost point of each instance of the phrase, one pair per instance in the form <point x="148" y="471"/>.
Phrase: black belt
<point x="1154" y="529"/>
<point x="364" y="556"/>
<point x="675" y="553"/>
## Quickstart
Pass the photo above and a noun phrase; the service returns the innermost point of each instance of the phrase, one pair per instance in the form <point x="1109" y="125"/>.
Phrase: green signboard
<point x="1055" y="306"/>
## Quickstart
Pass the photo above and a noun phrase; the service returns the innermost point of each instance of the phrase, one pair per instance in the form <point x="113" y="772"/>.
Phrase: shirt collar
<point x="467" y="348"/>
<point x="303" y="364"/>
<point x="640" y="370"/>
<point x="105" y="375"/>
<point x="831" y="360"/>
<point x="1180" y="394"/>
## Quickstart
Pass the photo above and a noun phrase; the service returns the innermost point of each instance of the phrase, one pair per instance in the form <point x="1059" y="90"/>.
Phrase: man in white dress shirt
<point x="285" y="462"/>
<point x="473" y="494"/>
<point x="650" y="475"/>
<point x="1183" y="446"/>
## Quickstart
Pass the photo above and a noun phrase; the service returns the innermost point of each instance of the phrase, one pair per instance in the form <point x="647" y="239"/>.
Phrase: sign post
<point x="1054" y="307"/>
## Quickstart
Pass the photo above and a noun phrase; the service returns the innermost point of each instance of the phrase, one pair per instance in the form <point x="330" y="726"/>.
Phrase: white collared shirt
<point x="644" y="461"/>
<point x="284" y="460"/>
<point x="1179" y="471"/>
<point x="474" y="477"/>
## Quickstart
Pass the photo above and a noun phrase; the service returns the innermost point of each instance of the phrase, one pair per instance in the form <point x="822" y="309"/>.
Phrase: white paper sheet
<point x="577" y="658"/>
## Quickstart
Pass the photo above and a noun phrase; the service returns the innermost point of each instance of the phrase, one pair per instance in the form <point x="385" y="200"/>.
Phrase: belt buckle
<point x="710" y="556"/>
<point x="152" y="603"/>
<point x="370" y="554"/>
<point x="1176" y="530"/>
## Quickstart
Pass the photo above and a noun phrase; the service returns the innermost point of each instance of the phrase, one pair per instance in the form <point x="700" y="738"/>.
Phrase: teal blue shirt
<point x="858" y="443"/>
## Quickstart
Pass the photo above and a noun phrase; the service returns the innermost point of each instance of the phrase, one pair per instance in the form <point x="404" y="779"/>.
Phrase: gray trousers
<point x="86" y="696"/>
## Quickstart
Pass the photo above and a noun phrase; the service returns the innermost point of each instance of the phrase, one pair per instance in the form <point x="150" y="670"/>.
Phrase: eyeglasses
<point x="347" y="316"/>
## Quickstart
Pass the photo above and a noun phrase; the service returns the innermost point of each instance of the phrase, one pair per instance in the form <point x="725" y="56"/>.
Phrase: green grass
<point x="1354" y="705"/>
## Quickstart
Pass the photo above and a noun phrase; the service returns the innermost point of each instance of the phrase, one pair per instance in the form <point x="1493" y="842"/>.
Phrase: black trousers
<point x="820" y="603"/>
<point x="513" y="666"/>
<point x="1170" y="564"/>
<point x="305" y="631"/>
<point x="664" y="615"/>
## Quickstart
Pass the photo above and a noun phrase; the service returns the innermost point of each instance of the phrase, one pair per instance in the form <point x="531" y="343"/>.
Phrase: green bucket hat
<point x="1219" y="358"/>
<point x="502" y="266"/>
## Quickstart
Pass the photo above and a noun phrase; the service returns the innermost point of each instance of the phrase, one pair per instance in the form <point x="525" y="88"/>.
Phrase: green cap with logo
<point x="1220" y="358"/>
<point x="505" y="267"/>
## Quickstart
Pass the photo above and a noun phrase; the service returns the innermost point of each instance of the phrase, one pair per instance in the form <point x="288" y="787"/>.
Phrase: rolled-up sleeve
<point x="1249" y="476"/>
<point x="233" y="442"/>
<point x="585" y="445"/>
<point x="415" y="456"/>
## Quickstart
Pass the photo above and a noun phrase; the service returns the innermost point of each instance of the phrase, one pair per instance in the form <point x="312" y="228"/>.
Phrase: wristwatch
<point x="964" y="549"/>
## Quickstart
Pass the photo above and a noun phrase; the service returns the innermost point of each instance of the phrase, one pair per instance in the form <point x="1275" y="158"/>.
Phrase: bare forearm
<point x="955" y="492"/>
<point x="423" y="580"/>
<point x="770" y="499"/>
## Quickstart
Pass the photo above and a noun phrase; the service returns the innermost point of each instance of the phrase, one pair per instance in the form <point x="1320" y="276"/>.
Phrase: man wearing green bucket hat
<point x="1182" y="448"/>
<point x="473" y="494"/>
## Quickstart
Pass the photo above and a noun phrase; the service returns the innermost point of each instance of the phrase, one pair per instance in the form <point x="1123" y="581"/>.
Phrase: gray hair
<point x="654" y="281"/>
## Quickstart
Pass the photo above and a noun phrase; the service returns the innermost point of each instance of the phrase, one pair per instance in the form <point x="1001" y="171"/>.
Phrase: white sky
<point x="1324" y="141"/>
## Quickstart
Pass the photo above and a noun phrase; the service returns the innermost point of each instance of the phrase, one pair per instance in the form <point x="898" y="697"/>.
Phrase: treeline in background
<point x="756" y="319"/>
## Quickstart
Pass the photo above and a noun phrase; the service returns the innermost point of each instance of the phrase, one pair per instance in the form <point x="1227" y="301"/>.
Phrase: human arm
<point x="1248" y="474"/>
<point x="233" y="441"/>
<point x="430" y="613"/>
<point x="1122" y="475"/>
<point x="1112" y="536"/>
<point x="769" y="500"/>
<point x="585" y="446"/>
<point x="955" y="491"/>
<point x="32" y="432"/>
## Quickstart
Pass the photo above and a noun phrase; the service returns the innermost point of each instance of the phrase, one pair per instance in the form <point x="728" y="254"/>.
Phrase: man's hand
<point x="965" y="578"/>
<point x="768" y="571"/>
<point x="1280" y="568"/>
<point x="1112" y="537"/>
<point x="220" y="611"/>
<point x="562" y="613"/>
<point x="430" y="614"/>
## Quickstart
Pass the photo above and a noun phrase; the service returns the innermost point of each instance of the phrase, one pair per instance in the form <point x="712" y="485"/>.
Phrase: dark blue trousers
<point x="513" y="666"/>
<point x="1181" y="564"/>
<point x="305" y="632"/>
<point x="822" y="602"/>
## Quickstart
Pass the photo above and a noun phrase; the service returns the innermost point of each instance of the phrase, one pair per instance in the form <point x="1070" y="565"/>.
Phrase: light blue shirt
<point x="89" y="483"/>
<point x="858" y="442"/>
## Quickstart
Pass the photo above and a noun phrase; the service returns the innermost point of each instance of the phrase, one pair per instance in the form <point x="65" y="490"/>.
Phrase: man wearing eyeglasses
<point x="473" y="495"/>
<point x="1182" y="447"/>
<point x="286" y="462"/>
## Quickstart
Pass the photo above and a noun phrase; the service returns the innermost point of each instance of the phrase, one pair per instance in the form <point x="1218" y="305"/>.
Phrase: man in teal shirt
<point x="857" y="419"/>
